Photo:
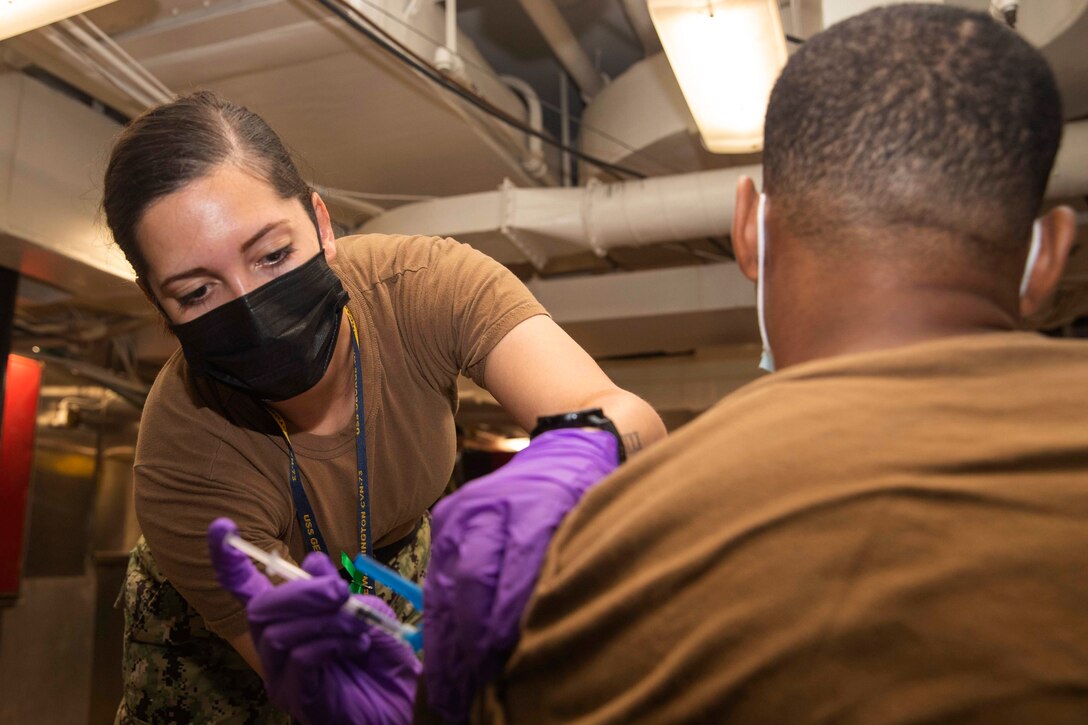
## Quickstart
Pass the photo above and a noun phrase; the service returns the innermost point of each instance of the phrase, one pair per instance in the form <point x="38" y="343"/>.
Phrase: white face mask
<point x="1033" y="256"/>
<point x="766" y="361"/>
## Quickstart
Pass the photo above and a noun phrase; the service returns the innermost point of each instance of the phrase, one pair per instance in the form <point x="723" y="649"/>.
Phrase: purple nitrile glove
<point x="233" y="569"/>
<point x="321" y="664"/>
<point x="488" y="543"/>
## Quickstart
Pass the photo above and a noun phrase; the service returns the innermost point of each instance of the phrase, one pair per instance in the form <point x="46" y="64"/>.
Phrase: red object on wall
<point x="24" y="379"/>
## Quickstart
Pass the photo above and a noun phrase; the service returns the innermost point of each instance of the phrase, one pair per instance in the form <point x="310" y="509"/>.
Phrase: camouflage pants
<point x="177" y="671"/>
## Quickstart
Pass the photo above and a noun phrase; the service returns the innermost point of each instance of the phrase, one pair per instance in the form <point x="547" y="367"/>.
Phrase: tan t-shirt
<point x="893" y="537"/>
<point x="427" y="309"/>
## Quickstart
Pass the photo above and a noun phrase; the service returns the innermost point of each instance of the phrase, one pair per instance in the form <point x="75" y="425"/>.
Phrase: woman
<point x="289" y="337"/>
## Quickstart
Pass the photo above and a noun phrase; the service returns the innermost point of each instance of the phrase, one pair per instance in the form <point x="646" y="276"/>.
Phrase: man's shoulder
<point x="870" y="412"/>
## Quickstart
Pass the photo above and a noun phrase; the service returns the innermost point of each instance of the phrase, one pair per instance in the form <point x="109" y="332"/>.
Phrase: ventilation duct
<point x="515" y="225"/>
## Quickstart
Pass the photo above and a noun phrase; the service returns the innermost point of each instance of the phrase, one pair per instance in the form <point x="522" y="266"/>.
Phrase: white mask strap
<point x="766" y="361"/>
<point x="1033" y="256"/>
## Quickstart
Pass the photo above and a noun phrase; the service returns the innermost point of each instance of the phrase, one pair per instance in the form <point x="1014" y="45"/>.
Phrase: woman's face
<point x="222" y="236"/>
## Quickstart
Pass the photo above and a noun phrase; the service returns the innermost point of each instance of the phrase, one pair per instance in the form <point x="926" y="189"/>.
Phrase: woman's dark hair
<point x="165" y="148"/>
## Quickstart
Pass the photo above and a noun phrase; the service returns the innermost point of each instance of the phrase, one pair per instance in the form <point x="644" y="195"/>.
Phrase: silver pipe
<point x="96" y="50"/>
<point x="122" y="54"/>
<point x="534" y="159"/>
<point x="638" y="15"/>
<point x="572" y="56"/>
<point x="82" y="60"/>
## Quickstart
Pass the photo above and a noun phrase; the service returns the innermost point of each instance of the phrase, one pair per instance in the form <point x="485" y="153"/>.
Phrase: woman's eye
<point x="277" y="257"/>
<point x="193" y="297"/>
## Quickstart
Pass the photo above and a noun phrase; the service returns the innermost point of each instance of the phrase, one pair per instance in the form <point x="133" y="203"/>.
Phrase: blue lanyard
<point x="306" y="517"/>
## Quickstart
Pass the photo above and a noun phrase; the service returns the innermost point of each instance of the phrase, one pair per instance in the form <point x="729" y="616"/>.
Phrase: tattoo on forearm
<point x="631" y="442"/>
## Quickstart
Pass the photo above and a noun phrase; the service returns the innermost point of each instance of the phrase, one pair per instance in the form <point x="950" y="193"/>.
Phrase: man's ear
<point x="1059" y="228"/>
<point x="746" y="228"/>
<point x="324" y="226"/>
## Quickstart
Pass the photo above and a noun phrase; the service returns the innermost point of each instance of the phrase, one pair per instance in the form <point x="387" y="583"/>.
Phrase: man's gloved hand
<point x="487" y="546"/>
<point x="321" y="664"/>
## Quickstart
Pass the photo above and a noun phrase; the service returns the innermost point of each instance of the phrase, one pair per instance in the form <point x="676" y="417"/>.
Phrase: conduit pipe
<point x="103" y="49"/>
<point x="638" y="15"/>
<point x="446" y="58"/>
<point x="534" y="158"/>
<point x="572" y="56"/>
<point x="546" y="223"/>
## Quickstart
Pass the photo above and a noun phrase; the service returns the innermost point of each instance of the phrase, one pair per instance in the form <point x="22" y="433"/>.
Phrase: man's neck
<point x="869" y="312"/>
<point x="327" y="407"/>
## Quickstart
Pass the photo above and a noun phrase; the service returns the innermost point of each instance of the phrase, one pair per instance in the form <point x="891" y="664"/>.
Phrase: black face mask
<point x="275" y="342"/>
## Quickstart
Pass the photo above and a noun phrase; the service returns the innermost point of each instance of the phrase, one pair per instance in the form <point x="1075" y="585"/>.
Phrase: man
<point x="894" y="527"/>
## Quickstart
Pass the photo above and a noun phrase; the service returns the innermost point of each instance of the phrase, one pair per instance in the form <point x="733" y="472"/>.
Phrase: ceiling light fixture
<point x="726" y="55"/>
<point x="19" y="16"/>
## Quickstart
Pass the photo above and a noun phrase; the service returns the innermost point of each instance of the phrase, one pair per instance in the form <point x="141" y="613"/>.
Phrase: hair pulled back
<point x="171" y="145"/>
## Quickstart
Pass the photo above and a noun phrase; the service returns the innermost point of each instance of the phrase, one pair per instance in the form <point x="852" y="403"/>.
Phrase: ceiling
<point x="361" y="121"/>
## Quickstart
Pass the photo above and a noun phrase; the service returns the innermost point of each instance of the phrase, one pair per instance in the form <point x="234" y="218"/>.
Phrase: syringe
<point x="275" y="564"/>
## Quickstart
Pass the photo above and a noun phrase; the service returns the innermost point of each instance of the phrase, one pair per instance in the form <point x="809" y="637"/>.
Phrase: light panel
<point x="726" y="55"/>
<point x="19" y="16"/>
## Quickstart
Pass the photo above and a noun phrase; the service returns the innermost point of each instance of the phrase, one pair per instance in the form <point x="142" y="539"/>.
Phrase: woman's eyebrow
<point x="257" y="237"/>
<point x="197" y="271"/>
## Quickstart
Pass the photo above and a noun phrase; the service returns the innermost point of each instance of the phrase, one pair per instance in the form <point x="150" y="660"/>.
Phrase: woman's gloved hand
<point x="488" y="543"/>
<point x="321" y="664"/>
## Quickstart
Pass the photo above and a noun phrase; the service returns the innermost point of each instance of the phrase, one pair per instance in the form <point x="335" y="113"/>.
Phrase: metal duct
<point x="515" y="224"/>
<point x="545" y="223"/>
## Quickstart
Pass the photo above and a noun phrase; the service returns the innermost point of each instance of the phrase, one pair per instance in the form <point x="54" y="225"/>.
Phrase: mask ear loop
<point x="766" y="361"/>
<point x="1033" y="256"/>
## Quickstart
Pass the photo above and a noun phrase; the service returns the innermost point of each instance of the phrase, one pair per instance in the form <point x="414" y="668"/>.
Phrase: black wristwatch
<point x="592" y="418"/>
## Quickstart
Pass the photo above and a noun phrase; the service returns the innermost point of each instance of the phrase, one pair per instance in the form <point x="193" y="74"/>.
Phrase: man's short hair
<point x="915" y="116"/>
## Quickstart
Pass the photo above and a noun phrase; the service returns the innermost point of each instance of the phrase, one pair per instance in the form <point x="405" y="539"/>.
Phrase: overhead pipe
<point x="103" y="48"/>
<point x="55" y="56"/>
<point x="534" y="159"/>
<point x="446" y="58"/>
<point x="88" y="48"/>
<point x="484" y="128"/>
<point x="77" y="57"/>
<point x="572" y="56"/>
<point x="544" y="223"/>
<point x="638" y="15"/>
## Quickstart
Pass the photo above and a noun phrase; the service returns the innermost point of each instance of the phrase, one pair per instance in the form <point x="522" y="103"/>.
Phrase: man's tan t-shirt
<point x="427" y="309"/>
<point x="893" y="537"/>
